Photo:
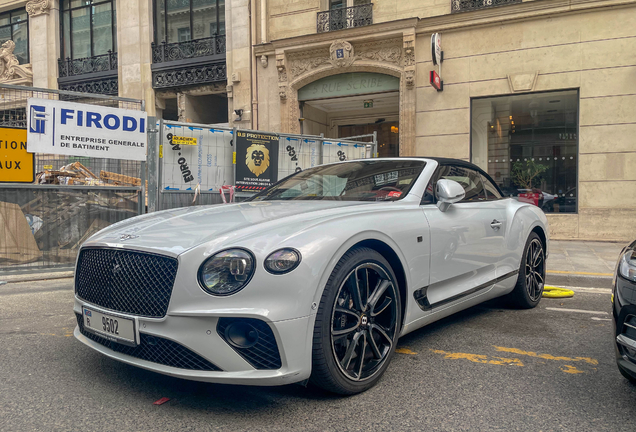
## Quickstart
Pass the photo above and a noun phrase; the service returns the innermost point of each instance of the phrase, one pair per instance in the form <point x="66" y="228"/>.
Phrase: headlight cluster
<point x="627" y="265"/>
<point x="229" y="271"/>
<point x="282" y="261"/>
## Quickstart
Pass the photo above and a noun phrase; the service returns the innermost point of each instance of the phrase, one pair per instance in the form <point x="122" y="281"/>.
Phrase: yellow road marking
<point x="571" y="369"/>
<point x="578" y="273"/>
<point x="546" y="356"/>
<point x="477" y="358"/>
<point x="405" y="351"/>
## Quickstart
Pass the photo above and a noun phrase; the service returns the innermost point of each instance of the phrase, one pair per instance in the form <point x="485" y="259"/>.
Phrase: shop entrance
<point x="353" y="104"/>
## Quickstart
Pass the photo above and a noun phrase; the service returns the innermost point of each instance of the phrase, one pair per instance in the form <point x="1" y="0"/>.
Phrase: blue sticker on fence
<point x="194" y="128"/>
<point x="169" y="188"/>
<point x="171" y="126"/>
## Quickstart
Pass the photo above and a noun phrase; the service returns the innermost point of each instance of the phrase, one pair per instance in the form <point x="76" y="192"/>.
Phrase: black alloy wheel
<point x="529" y="289"/>
<point x="357" y="324"/>
<point x="535" y="270"/>
<point x="363" y="321"/>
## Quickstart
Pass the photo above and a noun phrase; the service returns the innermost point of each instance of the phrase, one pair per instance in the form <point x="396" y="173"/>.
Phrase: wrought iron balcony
<point x="165" y="52"/>
<point x="97" y="74"/>
<point x="344" y="18"/>
<point x="471" y="5"/>
<point x="198" y="61"/>
<point x="102" y="63"/>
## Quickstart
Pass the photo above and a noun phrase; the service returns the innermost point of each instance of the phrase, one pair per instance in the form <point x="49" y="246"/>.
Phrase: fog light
<point x="282" y="261"/>
<point x="241" y="335"/>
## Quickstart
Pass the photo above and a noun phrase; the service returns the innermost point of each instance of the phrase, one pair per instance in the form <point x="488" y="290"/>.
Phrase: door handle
<point x="495" y="224"/>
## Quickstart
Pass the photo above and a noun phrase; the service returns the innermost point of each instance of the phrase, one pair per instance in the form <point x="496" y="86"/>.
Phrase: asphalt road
<point x="488" y="368"/>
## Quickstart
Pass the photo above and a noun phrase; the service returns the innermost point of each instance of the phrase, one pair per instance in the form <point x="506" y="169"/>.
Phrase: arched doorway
<point x="353" y="104"/>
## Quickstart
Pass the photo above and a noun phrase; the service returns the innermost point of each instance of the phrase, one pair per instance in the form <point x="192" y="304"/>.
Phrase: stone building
<point x="540" y="93"/>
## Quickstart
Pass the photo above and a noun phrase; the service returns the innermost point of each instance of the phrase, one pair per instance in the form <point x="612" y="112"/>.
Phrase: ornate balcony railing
<point x="343" y="18"/>
<point x="471" y="5"/>
<point x="88" y="65"/>
<point x="165" y="52"/>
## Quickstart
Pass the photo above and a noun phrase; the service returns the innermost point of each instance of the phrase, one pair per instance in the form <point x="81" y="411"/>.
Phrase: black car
<point x="624" y="311"/>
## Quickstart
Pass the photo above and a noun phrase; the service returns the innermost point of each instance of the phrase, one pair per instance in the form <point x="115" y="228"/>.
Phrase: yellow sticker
<point x="50" y="167"/>
<point x="234" y="158"/>
<point x="17" y="165"/>
<point x="179" y="140"/>
<point x="160" y="151"/>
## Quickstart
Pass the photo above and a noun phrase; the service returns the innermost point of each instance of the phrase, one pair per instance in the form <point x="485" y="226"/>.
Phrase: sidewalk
<point x="582" y="263"/>
<point x="571" y="263"/>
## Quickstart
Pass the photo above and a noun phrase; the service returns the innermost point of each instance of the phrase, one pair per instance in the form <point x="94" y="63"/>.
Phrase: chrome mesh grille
<point x="136" y="283"/>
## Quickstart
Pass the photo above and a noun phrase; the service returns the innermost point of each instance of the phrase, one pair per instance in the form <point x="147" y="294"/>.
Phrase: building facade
<point x="541" y="94"/>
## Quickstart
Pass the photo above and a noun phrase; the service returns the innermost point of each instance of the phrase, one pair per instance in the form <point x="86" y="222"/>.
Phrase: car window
<point x="469" y="179"/>
<point x="491" y="190"/>
<point x="361" y="180"/>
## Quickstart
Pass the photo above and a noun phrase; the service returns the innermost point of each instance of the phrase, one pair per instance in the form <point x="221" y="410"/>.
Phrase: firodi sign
<point x="69" y="128"/>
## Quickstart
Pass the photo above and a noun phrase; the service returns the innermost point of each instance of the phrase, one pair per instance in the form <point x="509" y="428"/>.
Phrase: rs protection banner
<point x="69" y="128"/>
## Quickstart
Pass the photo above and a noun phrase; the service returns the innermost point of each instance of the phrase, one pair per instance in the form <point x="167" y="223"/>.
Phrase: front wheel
<point x="357" y="324"/>
<point x="529" y="289"/>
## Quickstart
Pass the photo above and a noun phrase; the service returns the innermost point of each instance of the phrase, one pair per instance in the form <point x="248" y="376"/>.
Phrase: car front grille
<point x="154" y="349"/>
<point x="264" y="354"/>
<point x="136" y="283"/>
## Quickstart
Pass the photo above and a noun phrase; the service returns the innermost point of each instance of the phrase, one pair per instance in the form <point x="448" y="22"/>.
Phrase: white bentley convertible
<point x="313" y="279"/>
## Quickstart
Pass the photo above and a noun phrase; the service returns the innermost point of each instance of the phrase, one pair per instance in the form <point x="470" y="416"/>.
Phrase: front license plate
<point x="111" y="327"/>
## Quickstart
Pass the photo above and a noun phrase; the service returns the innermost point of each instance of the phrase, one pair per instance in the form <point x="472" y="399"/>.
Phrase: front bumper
<point x="624" y="323"/>
<point x="198" y="334"/>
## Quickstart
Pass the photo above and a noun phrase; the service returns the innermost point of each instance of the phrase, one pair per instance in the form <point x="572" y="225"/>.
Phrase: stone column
<point x="44" y="41"/>
<point x="238" y="57"/>
<point x="407" y="96"/>
<point x="134" y="36"/>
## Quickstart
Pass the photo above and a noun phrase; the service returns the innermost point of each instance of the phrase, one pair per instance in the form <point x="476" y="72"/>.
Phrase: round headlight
<point x="227" y="272"/>
<point x="282" y="261"/>
<point x="627" y="265"/>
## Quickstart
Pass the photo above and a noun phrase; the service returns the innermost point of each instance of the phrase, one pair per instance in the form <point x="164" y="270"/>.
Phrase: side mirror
<point x="448" y="192"/>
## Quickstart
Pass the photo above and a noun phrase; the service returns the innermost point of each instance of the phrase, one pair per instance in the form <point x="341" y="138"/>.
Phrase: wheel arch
<point x="541" y="233"/>
<point x="396" y="264"/>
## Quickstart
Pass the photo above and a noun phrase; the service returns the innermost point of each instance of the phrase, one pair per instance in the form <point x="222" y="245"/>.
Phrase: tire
<point x="529" y="288"/>
<point x="355" y="335"/>
<point x="627" y="375"/>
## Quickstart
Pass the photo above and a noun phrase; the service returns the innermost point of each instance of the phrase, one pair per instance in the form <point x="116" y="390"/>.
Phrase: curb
<point x="578" y="280"/>
<point x="36" y="276"/>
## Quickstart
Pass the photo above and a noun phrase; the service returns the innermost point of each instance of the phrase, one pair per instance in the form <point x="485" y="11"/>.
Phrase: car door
<point x="467" y="240"/>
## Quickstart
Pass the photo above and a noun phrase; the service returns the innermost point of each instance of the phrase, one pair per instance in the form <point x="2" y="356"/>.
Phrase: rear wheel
<point x="527" y="293"/>
<point x="357" y="324"/>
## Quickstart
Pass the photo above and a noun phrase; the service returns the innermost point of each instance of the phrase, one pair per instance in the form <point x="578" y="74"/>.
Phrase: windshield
<point x="365" y="180"/>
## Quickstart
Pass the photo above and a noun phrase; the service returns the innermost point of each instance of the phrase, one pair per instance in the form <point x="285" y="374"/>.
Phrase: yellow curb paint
<point x="571" y="369"/>
<point x="546" y="356"/>
<point x="405" y="351"/>
<point x="478" y="358"/>
<point x="578" y="273"/>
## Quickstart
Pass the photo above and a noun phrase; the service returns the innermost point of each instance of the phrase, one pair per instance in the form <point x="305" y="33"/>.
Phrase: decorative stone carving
<point x="409" y="50"/>
<point x="282" y="70"/>
<point x="264" y="61"/>
<point x="341" y="54"/>
<point x="409" y="78"/>
<point x="282" y="92"/>
<point x="387" y="55"/>
<point x="10" y="69"/>
<point x="38" y="7"/>
<point x="524" y="82"/>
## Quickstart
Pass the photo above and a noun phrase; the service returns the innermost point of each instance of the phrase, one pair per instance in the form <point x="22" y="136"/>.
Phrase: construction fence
<point x="43" y="223"/>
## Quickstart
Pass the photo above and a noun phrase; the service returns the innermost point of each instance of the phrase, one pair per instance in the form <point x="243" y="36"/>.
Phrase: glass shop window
<point x="529" y="146"/>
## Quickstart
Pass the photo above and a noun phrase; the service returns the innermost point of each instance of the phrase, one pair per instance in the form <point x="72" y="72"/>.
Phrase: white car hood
<point x="175" y="231"/>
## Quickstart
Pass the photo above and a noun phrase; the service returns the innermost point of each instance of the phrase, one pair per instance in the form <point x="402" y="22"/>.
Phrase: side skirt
<point x="421" y="298"/>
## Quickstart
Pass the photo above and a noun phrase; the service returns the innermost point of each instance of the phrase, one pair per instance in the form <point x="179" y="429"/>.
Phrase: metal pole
<point x="321" y="149"/>
<point x="375" y="143"/>
<point x="234" y="152"/>
<point x="153" y="164"/>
